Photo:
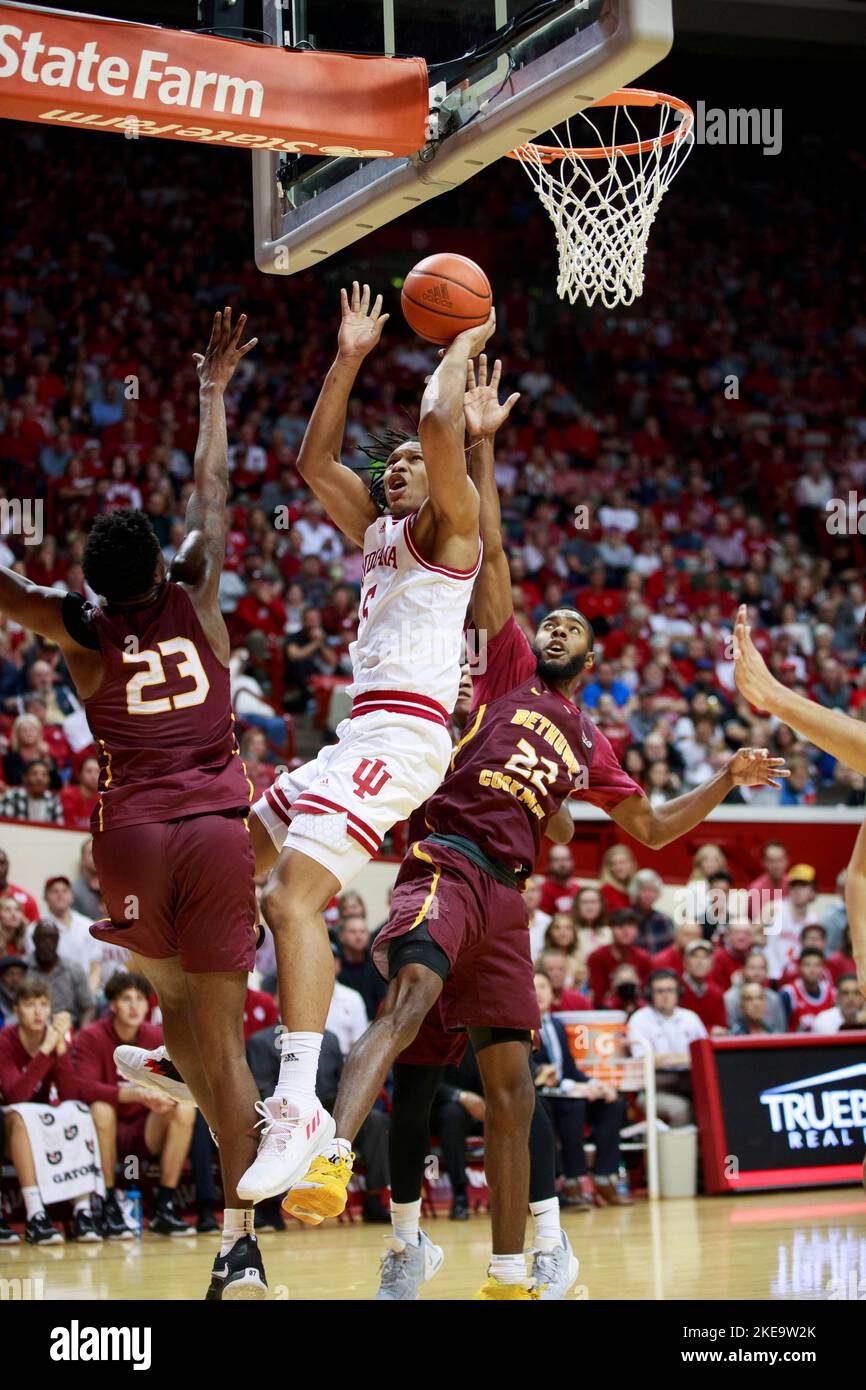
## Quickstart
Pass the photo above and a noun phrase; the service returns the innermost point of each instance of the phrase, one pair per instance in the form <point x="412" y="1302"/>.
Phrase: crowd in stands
<point x="662" y="464"/>
<point x="67" y="1001"/>
<point x="758" y="959"/>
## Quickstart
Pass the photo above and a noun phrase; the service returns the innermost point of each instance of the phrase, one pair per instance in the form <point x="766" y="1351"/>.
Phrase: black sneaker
<point x="373" y="1210"/>
<point x="166" y="1222"/>
<point x="219" y="1274"/>
<point x="7" y="1235"/>
<point x="240" y="1274"/>
<point x="39" y="1231"/>
<point x="460" y="1208"/>
<point x="268" y="1216"/>
<point x="207" y="1224"/>
<point x="84" y="1228"/>
<point x="111" y="1223"/>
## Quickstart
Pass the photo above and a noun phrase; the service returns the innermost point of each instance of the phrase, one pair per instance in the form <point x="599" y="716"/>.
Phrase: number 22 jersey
<point x="524" y="751"/>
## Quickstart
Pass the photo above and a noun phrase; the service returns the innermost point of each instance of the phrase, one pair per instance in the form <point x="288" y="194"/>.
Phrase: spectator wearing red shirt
<point x="79" y="801"/>
<point x="698" y="993"/>
<point x="26" y="902"/>
<point x="812" y="935"/>
<point x="129" y="1119"/>
<point x="618" y="867"/>
<point x="261" y="610"/>
<point x="673" y="956"/>
<point x="560" y="885"/>
<point x="35" y="1070"/>
<point x="260" y="1011"/>
<point x="730" y="956"/>
<point x="602" y="963"/>
<point x="554" y="964"/>
<point x="809" y="995"/>
<point x="32" y="1062"/>
<point x="774" y="879"/>
<point x="598" y="603"/>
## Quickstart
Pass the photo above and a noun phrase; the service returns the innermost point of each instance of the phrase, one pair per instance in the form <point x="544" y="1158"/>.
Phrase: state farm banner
<point x="138" y="79"/>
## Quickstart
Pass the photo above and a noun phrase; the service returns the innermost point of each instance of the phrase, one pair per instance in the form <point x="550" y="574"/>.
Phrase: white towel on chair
<point x="65" y="1149"/>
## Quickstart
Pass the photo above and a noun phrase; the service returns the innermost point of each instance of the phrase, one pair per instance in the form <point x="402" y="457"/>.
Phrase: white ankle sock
<point x="237" y="1222"/>
<point x="298" y="1064"/>
<point x="81" y="1204"/>
<point x="508" y="1269"/>
<point x="547" y="1228"/>
<point x="32" y="1201"/>
<point x="406" y="1220"/>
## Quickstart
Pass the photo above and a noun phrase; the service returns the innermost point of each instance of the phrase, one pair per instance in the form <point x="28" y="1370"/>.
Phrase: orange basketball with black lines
<point x="445" y="294"/>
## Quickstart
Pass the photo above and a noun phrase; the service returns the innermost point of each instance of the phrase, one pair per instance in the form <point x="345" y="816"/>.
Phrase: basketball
<point x="445" y="294"/>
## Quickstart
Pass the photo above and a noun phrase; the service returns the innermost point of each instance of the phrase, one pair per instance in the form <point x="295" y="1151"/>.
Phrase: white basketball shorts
<point x="338" y="808"/>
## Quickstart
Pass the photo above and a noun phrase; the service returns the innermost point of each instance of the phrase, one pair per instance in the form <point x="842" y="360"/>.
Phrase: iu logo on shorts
<point x="370" y="777"/>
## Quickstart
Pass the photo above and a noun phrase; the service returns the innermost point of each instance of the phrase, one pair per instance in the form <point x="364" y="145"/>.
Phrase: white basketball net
<point x="603" y="207"/>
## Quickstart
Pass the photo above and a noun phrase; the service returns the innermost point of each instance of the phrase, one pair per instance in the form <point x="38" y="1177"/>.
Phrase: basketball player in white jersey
<point x="326" y="820"/>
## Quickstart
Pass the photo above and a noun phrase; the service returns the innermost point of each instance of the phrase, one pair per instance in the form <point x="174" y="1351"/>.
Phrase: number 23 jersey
<point x="161" y="719"/>
<point x="524" y="751"/>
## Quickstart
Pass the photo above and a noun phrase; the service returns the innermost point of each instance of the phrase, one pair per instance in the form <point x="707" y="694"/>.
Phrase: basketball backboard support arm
<point x="626" y="38"/>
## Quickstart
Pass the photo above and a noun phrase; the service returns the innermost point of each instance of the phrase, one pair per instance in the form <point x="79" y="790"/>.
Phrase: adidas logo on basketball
<point x="439" y="295"/>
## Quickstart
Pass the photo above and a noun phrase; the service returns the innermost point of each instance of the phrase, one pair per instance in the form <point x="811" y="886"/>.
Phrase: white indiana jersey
<point x="411" y="617"/>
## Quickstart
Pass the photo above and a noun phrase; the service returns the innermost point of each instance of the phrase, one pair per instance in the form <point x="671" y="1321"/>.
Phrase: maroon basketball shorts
<point x="130" y="1138"/>
<point x="180" y="888"/>
<point x="481" y="926"/>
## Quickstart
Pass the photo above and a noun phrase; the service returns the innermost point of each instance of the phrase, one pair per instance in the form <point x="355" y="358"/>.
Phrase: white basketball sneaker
<point x="404" y="1268"/>
<point x="290" y="1140"/>
<point x="554" y="1271"/>
<point x="153" y="1070"/>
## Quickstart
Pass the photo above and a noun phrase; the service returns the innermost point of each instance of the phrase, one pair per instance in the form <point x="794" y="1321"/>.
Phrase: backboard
<point x="540" y="63"/>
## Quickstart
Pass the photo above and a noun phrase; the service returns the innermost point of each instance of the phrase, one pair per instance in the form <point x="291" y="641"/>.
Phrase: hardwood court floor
<point x="801" y="1245"/>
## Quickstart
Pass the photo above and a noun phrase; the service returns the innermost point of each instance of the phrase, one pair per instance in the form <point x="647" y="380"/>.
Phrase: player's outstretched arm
<point x="198" y="563"/>
<point x="33" y="607"/>
<point x="484" y="414"/>
<point x="442" y="431"/>
<point x="658" y="826"/>
<point x="341" y="492"/>
<point x="835" y="733"/>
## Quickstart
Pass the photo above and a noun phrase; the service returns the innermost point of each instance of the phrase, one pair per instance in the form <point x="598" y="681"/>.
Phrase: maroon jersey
<point x="162" y="717"/>
<point x="524" y="751"/>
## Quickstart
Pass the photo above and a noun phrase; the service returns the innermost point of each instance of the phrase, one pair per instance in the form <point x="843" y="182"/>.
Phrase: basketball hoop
<point x="603" y="197"/>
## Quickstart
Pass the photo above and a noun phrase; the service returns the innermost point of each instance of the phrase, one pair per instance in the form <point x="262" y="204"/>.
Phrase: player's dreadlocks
<point x="379" y="449"/>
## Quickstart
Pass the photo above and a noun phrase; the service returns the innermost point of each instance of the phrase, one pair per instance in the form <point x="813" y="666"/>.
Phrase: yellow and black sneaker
<point x="322" y="1191"/>
<point x="492" y="1289"/>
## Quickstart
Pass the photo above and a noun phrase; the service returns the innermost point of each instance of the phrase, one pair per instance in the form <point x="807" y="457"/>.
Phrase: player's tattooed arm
<point x="484" y="414"/>
<point x="442" y="432"/>
<point x="341" y="492"/>
<point x="658" y="826"/>
<point x="199" y="561"/>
